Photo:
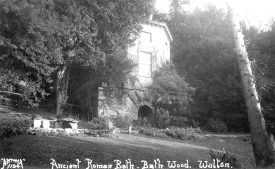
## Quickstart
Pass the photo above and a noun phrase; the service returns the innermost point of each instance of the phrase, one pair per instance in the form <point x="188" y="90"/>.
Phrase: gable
<point x="164" y="27"/>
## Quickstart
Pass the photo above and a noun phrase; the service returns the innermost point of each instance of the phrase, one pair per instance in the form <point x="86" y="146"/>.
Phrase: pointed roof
<point x="164" y="26"/>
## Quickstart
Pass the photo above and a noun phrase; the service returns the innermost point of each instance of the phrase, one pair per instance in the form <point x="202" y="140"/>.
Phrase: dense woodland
<point x="204" y="55"/>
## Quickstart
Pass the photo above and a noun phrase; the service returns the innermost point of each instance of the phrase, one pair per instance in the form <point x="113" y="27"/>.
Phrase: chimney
<point x="153" y="5"/>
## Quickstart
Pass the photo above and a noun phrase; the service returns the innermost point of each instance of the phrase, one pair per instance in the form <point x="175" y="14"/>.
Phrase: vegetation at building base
<point x="189" y="133"/>
<point x="170" y="93"/>
<point x="140" y="123"/>
<point x="153" y="132"/>
<point x="123" y="122"/>
<point x="216" y="125"/>
<point x="168" y="87"/>
<point x="98" y="124"/>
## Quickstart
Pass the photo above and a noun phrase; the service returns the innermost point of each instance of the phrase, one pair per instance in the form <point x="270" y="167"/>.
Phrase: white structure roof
<point x="164" y="26"/>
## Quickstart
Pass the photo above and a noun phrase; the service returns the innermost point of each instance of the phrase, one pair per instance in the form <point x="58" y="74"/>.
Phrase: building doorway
<point x="146" y="112"/>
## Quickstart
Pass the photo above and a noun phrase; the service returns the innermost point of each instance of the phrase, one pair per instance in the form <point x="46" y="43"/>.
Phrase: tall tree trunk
<point x="61" y="89"/>
<point x="259" y="136"/>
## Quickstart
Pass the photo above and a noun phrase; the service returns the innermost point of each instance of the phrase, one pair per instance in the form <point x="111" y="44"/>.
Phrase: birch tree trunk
<point x="259" y="136"/>
<point x="61" y="90"/>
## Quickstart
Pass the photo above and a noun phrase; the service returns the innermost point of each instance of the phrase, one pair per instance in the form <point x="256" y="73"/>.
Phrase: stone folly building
<point x="149" y="51"/>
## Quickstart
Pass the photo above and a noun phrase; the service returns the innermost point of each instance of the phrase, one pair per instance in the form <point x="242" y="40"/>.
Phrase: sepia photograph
<point x="137" y="84"/>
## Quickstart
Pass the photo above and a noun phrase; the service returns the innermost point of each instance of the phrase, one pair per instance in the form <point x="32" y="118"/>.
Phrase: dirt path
<point x="227" y="135"/>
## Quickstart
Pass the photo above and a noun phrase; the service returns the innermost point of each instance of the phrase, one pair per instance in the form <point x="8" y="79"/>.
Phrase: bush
<point x="53" y="132"/>
<point x="111" y="134"/>
<point x="11" y="127"/>
<point x="149" y="131"/>
<point x="141" y="123"/>
<point x="216" y="125"/>
<point x="178" y="121"/>
<point x="175" y="132"/>
<point x="121" y="121"/>
<point x="98" y="123"/>
<point x="225" y="157"/>
<point x="185" y="133"/>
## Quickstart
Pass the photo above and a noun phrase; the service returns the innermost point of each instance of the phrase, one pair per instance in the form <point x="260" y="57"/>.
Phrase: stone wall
<point x="129" y="104"/>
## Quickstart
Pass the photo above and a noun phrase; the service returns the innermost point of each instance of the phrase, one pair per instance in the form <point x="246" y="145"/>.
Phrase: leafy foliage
<point x="203" y="51"/>
<point x="225" y="157"/>
<point x="121" y="121"/>
<point x="139" y="123"/>
<point x="185" y="133"/>
<point x="178" y="121"/>
<point x="38" y="37"/>
<point x="25" y="57"/>
<point x="216" y="125"/>
<point x="52" y="132"/>
<point x="153" y="132"/>
<point x="260" y="46"/>
<point x="169" y="87"/>
<point x="98" y="124"/>
<point x="10" y="127"/>
<point x="175" y="132"/>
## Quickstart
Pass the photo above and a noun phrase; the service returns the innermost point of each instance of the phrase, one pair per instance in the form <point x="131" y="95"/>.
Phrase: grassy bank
<point x="38" y="150"/>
